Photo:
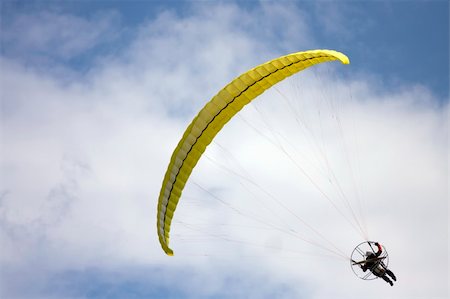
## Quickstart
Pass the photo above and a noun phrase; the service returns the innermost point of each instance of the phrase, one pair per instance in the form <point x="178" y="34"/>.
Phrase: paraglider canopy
<point x="213" y="117"/>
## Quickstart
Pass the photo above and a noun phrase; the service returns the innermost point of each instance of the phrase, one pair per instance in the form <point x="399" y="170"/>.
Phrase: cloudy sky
<point x="96" y="94"/>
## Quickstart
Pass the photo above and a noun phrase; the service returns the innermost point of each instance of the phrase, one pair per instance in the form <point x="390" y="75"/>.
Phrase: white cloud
<point x="82" y="163"/>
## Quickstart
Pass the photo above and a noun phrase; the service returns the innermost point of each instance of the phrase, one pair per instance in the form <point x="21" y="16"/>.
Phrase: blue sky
<point x="405" y="41"/>
<point x="96" y="94"/>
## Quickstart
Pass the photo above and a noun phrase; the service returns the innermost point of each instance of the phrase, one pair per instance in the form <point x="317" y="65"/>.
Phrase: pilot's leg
<point x="385" y="278"/>
<point x="389" y="272"/>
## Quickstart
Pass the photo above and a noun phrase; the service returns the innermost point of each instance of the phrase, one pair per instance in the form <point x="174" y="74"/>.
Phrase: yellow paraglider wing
<point x="216" y="113"/>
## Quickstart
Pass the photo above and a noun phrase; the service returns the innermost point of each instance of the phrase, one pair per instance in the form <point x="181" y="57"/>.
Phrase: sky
<point x="95" y="96"/>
